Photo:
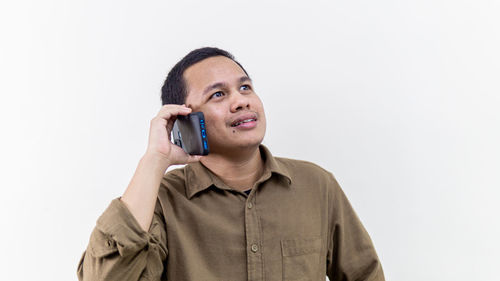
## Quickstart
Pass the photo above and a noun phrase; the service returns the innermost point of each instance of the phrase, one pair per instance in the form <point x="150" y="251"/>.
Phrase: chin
<point x="246" y="143"/>
<point x="236" y="144"/>
<point x="252" y="140"/>
<point x="249" y="144"/>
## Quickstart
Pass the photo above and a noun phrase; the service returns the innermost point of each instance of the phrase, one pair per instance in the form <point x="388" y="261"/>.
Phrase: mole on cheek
<point x="234" y="131"/>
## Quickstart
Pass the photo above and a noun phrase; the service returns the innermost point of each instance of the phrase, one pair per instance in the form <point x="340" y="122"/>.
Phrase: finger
<point x="170" y="126"/>
<point x="171" y="110"/>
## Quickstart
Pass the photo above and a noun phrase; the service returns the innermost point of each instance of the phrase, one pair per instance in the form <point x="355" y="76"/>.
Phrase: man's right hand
<point x="159" y="144"/>
<point x="140" y="196"/>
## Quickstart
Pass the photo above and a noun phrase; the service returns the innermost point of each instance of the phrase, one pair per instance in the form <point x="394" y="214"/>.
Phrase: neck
<point x="238" y="170"/>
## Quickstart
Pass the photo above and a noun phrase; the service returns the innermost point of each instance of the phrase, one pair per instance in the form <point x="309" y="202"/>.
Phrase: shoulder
<point x="174" y="181"/>
<point x="175" y="175"/>
<point x="305" y="171"/>
<point x="295" y="165"/>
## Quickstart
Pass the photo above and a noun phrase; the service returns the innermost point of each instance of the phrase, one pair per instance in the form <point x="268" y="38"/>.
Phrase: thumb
<point x="194" y="158"/>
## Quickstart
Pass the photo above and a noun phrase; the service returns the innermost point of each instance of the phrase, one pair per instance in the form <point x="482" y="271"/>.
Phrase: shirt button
<point x="255" y="248"/>
<point x="249" y="205"/>
<point x="109" y="243"/>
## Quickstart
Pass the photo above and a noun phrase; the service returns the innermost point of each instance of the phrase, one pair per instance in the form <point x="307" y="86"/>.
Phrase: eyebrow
<point x="223" y="85"/>
<point x="245" y="79"/>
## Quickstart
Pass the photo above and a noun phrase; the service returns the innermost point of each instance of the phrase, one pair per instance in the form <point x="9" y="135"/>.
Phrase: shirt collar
<point x="199" y="177"/>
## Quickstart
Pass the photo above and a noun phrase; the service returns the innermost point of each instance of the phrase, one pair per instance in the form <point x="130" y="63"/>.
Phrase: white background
<point x="399" y="99"/>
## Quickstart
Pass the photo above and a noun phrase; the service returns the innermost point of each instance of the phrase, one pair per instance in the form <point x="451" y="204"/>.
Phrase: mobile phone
<point x="189" y="132"/>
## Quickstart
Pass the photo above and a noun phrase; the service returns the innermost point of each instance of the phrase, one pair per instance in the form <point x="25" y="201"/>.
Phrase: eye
<point x="245" y="87"/>
<point x="217" y="95"/>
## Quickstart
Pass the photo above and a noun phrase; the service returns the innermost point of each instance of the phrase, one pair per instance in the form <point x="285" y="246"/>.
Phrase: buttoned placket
<point x="253" y="236"/>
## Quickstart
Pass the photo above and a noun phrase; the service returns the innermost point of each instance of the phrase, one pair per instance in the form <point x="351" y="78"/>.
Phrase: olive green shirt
<point x="296" y="224"/>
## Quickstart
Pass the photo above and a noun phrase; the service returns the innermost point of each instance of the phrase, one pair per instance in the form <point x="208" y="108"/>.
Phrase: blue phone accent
<point x="205" y="144"/>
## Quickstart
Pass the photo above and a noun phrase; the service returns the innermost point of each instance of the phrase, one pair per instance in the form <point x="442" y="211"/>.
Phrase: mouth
<point x="244" y="119"/>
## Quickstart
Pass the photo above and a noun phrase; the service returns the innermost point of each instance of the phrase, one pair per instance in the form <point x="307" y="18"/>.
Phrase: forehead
<point x="211" y="70"/>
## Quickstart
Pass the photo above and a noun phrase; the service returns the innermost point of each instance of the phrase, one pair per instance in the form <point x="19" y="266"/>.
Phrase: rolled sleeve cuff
<point x="122" y="230"/>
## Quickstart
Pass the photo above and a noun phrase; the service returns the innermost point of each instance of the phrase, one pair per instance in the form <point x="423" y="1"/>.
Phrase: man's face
<point x="234" y="114"/>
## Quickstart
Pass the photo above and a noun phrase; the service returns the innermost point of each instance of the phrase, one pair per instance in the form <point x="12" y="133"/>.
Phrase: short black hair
<point x="174" y="88"/>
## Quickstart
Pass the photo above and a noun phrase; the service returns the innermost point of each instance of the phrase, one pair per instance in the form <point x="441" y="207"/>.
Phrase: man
<point x="238" y="213"/>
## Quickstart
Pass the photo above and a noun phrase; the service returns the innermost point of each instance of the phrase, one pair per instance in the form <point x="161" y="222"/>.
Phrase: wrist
<point x="156" y="160"/>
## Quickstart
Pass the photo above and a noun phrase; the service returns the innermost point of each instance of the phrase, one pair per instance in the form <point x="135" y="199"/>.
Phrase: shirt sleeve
<point x="351" y="254"/>
<point x="119" y="249"/>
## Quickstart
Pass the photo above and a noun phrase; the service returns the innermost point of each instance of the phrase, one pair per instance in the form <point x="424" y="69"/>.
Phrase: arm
<point x="129" y="240"/>
<point x="141" y="194"/>
<point x="351" y="254"/>
<point x="119" y="249"/>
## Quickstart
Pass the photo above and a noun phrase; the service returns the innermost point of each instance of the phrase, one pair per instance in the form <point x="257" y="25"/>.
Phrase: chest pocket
<point x="301" y="259"/>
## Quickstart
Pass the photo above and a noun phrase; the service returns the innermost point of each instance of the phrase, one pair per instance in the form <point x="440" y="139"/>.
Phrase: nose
<point x="239" y="102"/>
